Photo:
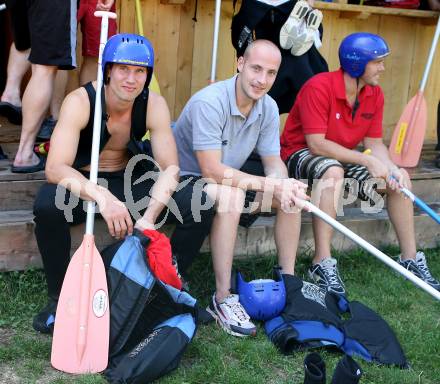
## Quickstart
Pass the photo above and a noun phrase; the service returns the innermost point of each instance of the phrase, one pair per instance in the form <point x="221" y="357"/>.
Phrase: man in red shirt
<point x="333" y="113"/>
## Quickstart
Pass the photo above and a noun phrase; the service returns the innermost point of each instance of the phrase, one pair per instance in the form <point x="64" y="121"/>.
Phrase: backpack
<point x="151" y="322"/>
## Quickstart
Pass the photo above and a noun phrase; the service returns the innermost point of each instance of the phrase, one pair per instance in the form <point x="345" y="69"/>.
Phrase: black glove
<point x="347" y="371"/>
<point x="314" y="369"/>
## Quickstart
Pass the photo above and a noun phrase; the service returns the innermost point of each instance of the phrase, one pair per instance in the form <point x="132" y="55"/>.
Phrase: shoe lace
<point x="237" y="310"/>
<point x="423" y="267"/>
<point x="331" y="273"/>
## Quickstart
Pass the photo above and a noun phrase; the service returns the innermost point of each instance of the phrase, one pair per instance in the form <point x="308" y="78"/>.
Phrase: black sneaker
<point x="45" y="320"/>
<point x="46" y="129"/>
<point x="419" y="267"/>
<point x="326" y="275"/>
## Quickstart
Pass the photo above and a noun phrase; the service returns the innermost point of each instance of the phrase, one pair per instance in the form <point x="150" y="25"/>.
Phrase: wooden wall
<point x="183" y="50"/>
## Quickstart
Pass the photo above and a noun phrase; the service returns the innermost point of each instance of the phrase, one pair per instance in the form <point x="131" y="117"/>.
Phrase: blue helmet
<point x="262" y="299"/>
<point x="131" y="49"/>
<point x="357" y="49"/>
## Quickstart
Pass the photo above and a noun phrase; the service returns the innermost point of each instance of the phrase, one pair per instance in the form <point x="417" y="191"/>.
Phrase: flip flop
<point x="11" y="112"/>
<point x="306" y="39"/>
<point x="290" y="29"/>
<point x="29" y="168"/>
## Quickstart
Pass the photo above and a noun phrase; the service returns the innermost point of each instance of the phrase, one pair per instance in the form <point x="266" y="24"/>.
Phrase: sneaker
<point x="232" y="316"/>
<point x="45" y="320"/>
<point x="46" y="129"/>
<point x="419" y="267"/>
<point x="292" y="27"/>
<point x="326" y="275"/>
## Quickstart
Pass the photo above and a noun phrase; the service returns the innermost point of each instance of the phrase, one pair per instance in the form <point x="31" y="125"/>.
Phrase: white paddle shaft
<point x="218" y="5"/>
<point x="374" y="251"/>
<point x="97" y="118"/>
<point x="431" y="56"/>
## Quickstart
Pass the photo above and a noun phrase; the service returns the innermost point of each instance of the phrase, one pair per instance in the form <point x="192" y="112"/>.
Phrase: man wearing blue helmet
<point x="129" y="111"/>
<point x="333" y="113"/>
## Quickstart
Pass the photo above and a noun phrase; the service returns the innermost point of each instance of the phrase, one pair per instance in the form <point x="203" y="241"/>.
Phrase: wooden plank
<point x="184" y="57"/>
<point x="167" y="41"/>
<point x="375" y="10"/>
<point x="398" y="68"/>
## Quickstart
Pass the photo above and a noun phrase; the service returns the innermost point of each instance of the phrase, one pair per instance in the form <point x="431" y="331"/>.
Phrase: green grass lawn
<point x="214" y="356"/>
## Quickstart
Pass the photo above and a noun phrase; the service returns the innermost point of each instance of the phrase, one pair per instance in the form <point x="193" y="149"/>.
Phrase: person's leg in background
<point x="90" y="29"/>
<point x="53" y="47"/>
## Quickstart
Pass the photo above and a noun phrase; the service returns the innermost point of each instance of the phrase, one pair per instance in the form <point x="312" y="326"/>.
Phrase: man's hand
<point x="115" y="214"/>
<point x="104" y="5"/>
<point x="377" y="168"/>
<point x="143" y="224"/>
<point x="290" y="193"/>
<point x="399" y="177"/>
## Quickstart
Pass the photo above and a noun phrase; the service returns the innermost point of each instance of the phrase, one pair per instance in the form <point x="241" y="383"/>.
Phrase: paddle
<point x="218" y="5"/>
<point x="407" y="140"/>
<point x="374" y="251"/>
<point x="82" y="323"/>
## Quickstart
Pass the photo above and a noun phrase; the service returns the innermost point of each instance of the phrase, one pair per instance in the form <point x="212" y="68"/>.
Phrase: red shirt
<point x="321" y="107"/>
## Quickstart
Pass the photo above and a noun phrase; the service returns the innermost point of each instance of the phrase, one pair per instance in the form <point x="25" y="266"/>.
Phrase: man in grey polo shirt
<point x="218" y="129"/>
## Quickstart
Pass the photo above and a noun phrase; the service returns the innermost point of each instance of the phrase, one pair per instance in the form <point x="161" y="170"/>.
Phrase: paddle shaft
<point x="374" y="251"/>
<point x="140" y="25"/>
<point x="421" y="204"/>
<point x="97" y="118"/>
<point x="218" y="5"/>
<point x="87" y="261"/>
<point x="430" y="56"/>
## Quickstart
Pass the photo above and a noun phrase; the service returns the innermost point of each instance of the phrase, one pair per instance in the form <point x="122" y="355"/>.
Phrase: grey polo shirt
<point x="211" y="120"/>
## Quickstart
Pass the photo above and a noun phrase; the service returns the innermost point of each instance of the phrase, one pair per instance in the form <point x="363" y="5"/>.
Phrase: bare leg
<point x="89" y="68"/>
<point x="18" y="65"/>
<point x="323" y="196"/>
<point x="58" y="93"/>
<point x="287" y="229"/>
<point x="36" y="101"/>
<point x="229" y="204"/>
<point x="401" y="212"/>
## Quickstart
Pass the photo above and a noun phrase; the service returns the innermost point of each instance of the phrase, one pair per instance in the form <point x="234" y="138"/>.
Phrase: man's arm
<point x="74" y="116"/>
<point x="165" y="154"/>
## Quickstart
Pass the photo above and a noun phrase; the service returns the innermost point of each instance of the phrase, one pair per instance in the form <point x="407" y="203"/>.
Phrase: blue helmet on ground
<point x="262" y="299"/>
<point x="357" y="49"/>
<point x="130" y="49"/>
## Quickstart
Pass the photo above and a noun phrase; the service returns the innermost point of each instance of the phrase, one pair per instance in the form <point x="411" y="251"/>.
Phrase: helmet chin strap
<point x="356" y="100"/>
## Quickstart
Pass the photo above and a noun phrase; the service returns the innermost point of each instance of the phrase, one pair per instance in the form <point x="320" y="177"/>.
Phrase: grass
<point x="215" y="357"/>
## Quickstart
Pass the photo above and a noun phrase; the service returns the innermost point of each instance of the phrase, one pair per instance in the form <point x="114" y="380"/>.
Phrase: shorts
<point x="48" y="27"/>
<point x="91" y="27"/>
<point x="302" y="165"/>
<point x="19" y="24"/>
<point x="252" y="166"/>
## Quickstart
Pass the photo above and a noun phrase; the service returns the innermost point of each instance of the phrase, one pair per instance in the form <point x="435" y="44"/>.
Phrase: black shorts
<point x="19" y="23"/>
<point x="302" y="165"/>
<point x="253" y="166"/>
<point x="48" y="27"/>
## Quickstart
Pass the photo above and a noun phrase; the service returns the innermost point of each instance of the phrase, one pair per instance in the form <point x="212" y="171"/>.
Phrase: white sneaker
<point x="305" y="39"/>
<point x="291" y="28"/>
<point x="232" y="317"/>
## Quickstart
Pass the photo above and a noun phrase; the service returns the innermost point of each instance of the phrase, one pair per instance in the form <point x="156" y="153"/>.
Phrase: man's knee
<point x="231" y="200"/>
<point x="44" y="204"/>
<point x="333" y="173"/>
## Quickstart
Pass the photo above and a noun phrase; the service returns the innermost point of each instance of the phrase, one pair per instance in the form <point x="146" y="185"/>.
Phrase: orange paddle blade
<point x="407" y="141"/>
<point x="82" y="322"/>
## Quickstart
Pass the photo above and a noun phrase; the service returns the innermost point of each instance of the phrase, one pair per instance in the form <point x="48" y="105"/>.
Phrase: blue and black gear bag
<point x="314" y="318"/>
<point x="151" y="323"/>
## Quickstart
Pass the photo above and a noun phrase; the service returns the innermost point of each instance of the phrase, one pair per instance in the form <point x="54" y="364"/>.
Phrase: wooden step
<point x="18" y="249"/>
<point x="18" y="191"/>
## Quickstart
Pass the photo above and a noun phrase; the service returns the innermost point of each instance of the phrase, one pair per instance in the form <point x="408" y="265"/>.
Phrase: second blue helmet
<point x="357" y="49"/>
